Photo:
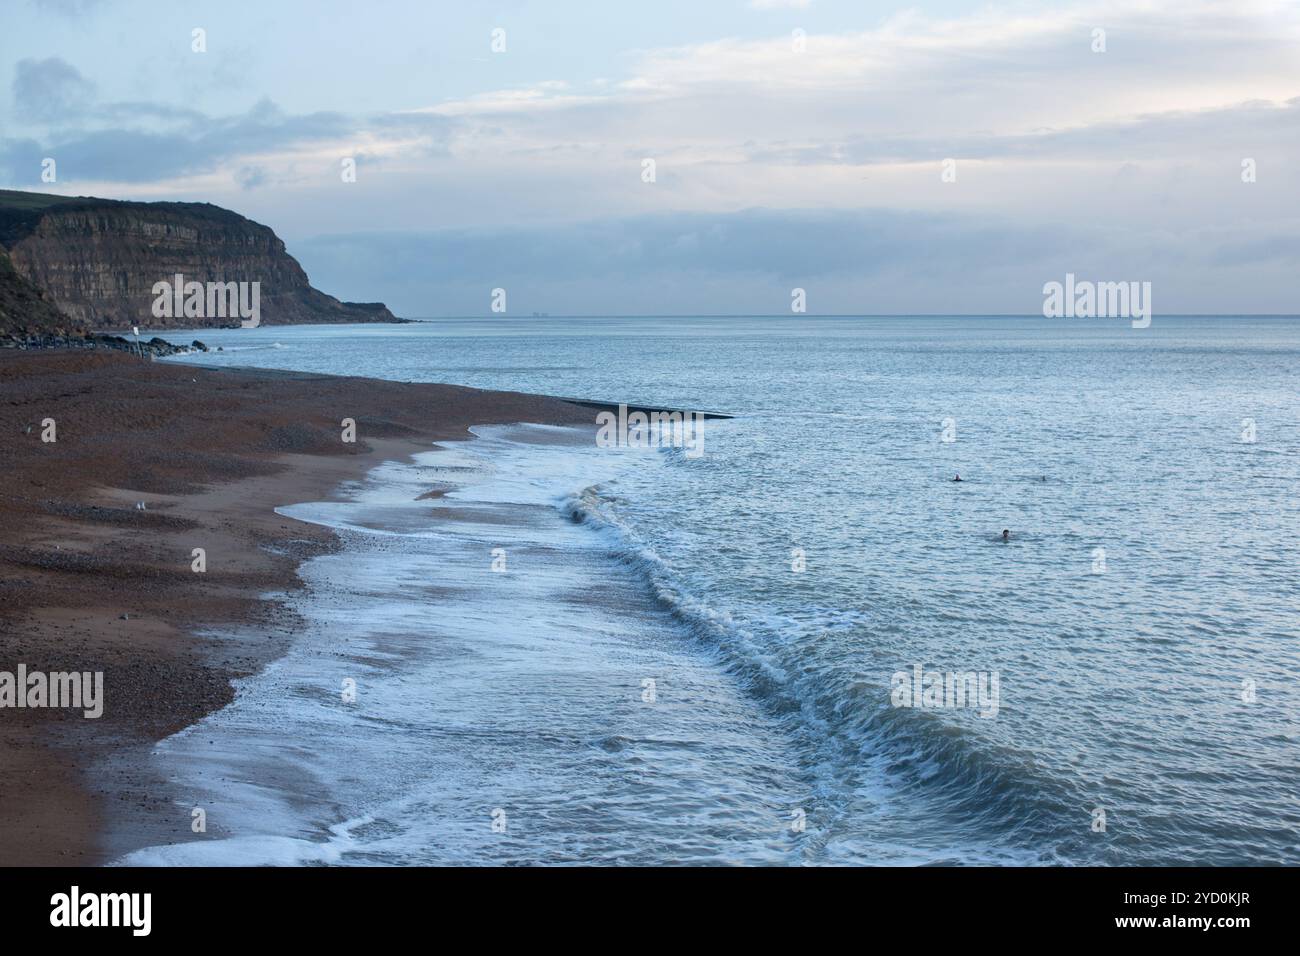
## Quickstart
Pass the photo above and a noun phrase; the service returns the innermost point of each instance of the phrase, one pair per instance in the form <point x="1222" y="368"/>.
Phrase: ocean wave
<point x="250" y="850"/>
<point x="846" y="726"/>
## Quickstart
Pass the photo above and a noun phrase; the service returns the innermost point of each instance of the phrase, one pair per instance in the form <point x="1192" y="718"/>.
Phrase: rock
<point x="71" y="262"/>
<point x="153" y="348"/>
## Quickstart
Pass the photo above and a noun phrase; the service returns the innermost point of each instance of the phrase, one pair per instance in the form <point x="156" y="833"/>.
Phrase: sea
<point x="802" y="642"/>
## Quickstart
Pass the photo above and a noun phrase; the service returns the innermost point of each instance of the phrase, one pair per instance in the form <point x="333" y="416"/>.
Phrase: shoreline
<point x="477" y="694"/>
<point x="93" y="583"/>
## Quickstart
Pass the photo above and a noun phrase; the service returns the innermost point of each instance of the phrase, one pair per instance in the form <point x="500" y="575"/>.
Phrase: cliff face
<point x="24" y="308"/>
<point x="97" y="261"/>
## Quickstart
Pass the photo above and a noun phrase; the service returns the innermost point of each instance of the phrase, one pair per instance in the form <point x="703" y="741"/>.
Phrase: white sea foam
<point x="478" y="692"/>
<point x="1076" y="436"/>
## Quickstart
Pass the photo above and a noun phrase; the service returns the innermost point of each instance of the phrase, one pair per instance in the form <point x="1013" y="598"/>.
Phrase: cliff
<point x="24" y="307"/>
<point x="96" y="261"/>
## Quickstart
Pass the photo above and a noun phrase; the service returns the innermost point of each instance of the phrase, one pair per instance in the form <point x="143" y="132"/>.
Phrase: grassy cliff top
<point x="23" y="201"/>
<point x="18" y="200"/>
<point x="20" y="211"/>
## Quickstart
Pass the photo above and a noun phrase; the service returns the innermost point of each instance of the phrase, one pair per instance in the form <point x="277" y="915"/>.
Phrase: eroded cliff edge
<point x="95" y="262"/>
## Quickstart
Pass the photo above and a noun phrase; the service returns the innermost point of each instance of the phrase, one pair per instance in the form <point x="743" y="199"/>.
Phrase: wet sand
<point x="89" y="582"/>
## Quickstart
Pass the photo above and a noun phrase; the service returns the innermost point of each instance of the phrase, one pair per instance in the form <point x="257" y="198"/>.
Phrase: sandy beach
<point x="93" y="582"/>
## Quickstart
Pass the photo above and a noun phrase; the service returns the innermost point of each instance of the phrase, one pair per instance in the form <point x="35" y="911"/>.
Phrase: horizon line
<point x="839" y="315"/>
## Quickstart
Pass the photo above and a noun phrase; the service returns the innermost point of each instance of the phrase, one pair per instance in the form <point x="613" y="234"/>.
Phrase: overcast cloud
<point x="781" y="159"/>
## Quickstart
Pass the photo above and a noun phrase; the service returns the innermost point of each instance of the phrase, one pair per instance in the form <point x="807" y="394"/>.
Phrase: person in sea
<point x="1006" y="535"/>
<point x="956" y="478"/>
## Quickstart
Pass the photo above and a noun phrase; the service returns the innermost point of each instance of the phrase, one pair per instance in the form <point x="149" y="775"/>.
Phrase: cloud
<point x="1015" y="94"/>
<point x="250" y="177"/>
<point x="146" y="142"/>
<point x="1067" y="160"/>
<point x="1156" y="136"/>
<point x="51" y="89"/>
<point x="853" y="261"/>
<point x="733" y="122"/>
<point x="998" y="73"/>
<point x="867" y="261"/>
<point x="786" y="245"/>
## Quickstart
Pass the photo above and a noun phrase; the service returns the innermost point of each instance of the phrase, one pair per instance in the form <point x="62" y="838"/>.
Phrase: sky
<point x="886" y="157"/>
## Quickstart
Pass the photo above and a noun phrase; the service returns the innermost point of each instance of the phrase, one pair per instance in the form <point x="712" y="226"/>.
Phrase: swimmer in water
<point x="1006" y="535"/>
<point x="957" y="478"/>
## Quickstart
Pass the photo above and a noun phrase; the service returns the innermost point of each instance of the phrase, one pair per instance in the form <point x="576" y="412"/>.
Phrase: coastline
<point x="467" y="670"/>
<point x="92" y="583"/>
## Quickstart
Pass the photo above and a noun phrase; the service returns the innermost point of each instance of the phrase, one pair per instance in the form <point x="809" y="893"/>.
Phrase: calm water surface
<point x="1141" y="620"/>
